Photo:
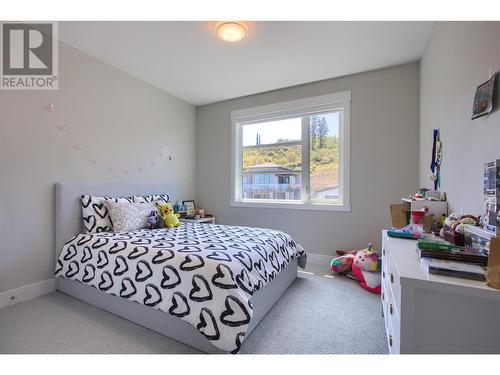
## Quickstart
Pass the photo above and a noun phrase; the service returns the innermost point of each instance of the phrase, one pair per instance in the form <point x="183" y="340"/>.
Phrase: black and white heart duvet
<point x="204" y="274"/>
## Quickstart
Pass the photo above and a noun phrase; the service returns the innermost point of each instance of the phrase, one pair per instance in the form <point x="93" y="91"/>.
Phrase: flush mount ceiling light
<point x="231" y="31"/>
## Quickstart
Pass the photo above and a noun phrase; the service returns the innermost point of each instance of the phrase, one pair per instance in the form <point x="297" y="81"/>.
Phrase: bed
<point x="207" y="286"/>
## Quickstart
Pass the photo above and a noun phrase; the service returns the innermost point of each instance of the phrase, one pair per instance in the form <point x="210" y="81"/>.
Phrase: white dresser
<point x="434" y="314"/>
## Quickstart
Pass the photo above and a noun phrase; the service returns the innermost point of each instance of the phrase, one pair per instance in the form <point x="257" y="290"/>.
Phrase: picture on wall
<point x="483" y="99"/>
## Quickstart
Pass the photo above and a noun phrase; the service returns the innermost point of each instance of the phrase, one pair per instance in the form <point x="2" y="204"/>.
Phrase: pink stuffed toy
<point x="366" y="269"/>
<point x="363" y="266"/>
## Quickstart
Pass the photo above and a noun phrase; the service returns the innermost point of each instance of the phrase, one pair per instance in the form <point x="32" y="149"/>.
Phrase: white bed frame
<point x="68" y="223"/>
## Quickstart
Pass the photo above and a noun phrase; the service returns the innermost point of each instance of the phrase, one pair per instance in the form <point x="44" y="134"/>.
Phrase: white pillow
<point x="95" y="213"/>
<point x="160" y="198"/>
<point x="129" y="216"/>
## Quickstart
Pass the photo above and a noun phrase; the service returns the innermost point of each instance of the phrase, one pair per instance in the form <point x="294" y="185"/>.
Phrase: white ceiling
<point x="187" y="60"/>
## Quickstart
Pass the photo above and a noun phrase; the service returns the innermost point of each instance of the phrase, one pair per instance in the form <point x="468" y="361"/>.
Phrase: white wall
<point x="384" y="159"/>
<point x="123" y="123"/>
<point x="458" y="57"/>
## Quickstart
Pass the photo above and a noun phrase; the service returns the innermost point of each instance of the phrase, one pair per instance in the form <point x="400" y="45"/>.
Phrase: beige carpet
<point x="316" y="315"/>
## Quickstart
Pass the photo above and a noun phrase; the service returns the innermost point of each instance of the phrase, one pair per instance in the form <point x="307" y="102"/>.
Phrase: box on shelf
<point x="400" y="213"/>
<point x="436" y="208"/>
<point x="400" y="217"/>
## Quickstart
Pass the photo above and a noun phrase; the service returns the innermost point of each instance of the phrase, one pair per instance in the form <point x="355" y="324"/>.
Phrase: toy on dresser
<point x="362" y="265"/>
<point x="454" y="227"/>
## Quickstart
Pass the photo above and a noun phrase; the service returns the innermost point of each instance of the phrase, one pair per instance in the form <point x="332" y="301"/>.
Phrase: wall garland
<point x="163" y="153"/>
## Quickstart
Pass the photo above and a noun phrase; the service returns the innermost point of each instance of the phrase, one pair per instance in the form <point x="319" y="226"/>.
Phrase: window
<point x="293" y="154"/>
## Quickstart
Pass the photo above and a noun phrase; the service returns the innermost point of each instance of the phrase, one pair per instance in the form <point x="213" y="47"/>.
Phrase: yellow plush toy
<point x="170" y="220"/>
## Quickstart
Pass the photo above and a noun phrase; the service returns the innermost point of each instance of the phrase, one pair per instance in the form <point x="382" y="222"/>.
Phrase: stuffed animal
<point x="154" y="220"/>
<point x="366" y="269"/>
<point x="170" y="220"/>
<point x="457" y="223"/>
<point x="342" y="264"/>
<point x="363" y="266"/>
<point x="452" y="220"/>
<point x="466" y="219"/>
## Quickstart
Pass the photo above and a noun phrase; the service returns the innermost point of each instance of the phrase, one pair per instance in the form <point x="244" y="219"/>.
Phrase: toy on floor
<point x="342" y="264"/>
<point x="363" y="266"/>
<point x="366" y="269"/>
<point x="170" y="220"/>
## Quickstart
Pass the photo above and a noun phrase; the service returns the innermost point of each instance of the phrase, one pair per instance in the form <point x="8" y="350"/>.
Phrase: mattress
<point x="203" y="274"/>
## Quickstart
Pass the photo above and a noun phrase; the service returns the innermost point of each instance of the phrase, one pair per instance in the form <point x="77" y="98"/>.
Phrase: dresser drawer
<point x="392" y="337"/>
<point x="393" y="281"/>
<point x="392" y="308"/>
<point x="392" y="313"/>
<point x="385" y="267"/>
<point x="391" y="327"/>
<point x="384" y="308"/>
<point x="389" y="286"/>
<point x="391" y="303"/>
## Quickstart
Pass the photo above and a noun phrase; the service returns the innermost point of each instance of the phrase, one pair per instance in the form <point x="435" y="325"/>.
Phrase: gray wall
<point x="122" y="121"/>
<point x="384" y="159"/>
<point x="458" y="57"/>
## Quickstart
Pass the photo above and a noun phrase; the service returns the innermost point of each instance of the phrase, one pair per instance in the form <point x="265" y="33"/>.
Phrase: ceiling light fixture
<point x="231" y="32"/>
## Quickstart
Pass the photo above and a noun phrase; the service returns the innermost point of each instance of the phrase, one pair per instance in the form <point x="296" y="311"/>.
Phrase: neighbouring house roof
<point x="269" y="168"/>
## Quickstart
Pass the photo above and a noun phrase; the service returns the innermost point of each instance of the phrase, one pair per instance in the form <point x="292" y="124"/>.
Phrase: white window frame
<point x="337" y="102"/>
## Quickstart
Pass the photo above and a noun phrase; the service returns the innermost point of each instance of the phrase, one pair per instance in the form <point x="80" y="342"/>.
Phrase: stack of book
<point x="443" y="258"/>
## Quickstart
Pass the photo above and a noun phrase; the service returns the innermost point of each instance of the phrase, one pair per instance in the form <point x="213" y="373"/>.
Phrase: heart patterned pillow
<point x="161" y="198"/>
<point x="95" y="213"/>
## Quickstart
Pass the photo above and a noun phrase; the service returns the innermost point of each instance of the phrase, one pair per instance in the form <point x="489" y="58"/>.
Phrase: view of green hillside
<point x="290" y="156"/>
<point x="285" y="156"/>
<point x="323" y="164"/>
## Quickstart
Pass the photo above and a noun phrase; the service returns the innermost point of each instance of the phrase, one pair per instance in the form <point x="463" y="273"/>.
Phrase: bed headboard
<point x="68" y="208"/>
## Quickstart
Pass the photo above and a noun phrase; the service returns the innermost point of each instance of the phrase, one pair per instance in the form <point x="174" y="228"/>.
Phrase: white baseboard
<point x="27" y="292"/>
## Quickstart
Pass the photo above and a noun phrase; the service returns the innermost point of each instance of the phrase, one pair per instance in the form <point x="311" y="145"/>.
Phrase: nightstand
<point x="203" y="220"/>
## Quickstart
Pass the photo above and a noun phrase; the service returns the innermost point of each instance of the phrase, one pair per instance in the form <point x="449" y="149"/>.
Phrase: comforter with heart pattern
<point x="204" y="274"/>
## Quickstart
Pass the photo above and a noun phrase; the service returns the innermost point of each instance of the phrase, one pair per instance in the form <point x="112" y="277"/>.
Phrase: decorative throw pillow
<point x="95" y="213"/>
<point x="129" y="216"/>
<point x="163" y="198"/>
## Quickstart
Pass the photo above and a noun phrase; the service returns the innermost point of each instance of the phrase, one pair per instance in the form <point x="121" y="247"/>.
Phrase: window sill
<point x="293" y="206"/>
